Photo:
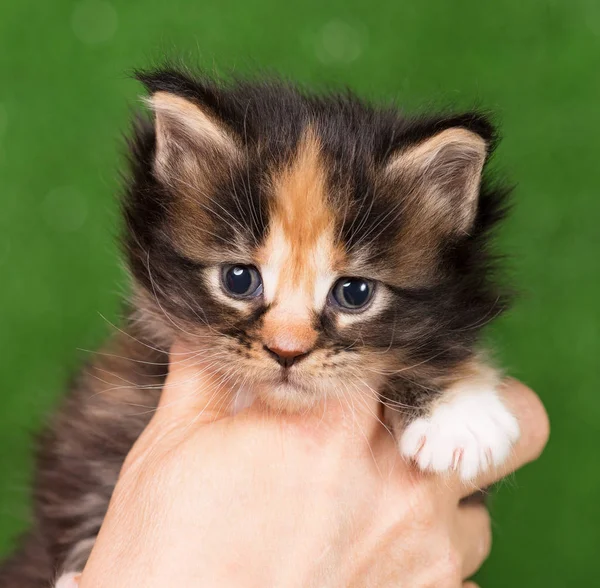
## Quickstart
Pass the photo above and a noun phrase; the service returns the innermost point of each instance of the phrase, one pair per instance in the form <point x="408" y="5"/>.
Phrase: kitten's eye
<point x="352" y="293"/>
<point x="241" y="281"/>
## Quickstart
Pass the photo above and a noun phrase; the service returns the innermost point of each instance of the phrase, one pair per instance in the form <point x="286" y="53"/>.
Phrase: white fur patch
<point x="279" y="251"/>
<point x="468" y="432"/>
<point x="70" y="580"/>
<point x="244" y="397"/>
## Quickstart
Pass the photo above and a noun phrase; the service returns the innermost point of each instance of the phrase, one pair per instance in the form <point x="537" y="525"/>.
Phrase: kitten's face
<point x="301" y="303"/>
<point x="304" y="260"/>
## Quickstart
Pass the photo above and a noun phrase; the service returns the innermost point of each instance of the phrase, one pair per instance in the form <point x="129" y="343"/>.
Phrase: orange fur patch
<point x="300" y="254"/>
<point x="287" y="333"/>
<point x="301" y="209"/>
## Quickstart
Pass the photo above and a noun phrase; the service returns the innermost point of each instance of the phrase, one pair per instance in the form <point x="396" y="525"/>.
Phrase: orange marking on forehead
<point x="302" y="221"/>
<point x="300" y="192"/>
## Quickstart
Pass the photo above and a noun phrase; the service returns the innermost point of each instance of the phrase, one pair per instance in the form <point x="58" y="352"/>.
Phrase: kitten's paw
<point x="468" y="432"/>
<point x="70" y="580"/>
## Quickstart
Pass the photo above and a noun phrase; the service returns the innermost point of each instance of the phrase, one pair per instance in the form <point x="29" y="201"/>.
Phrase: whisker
<point x="133" y="360"/>
<point x="134" y="338"/>
<point x="362" y="432"/>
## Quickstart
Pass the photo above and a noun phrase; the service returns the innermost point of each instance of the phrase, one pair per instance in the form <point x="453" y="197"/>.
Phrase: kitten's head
<point x="309" y="245"/>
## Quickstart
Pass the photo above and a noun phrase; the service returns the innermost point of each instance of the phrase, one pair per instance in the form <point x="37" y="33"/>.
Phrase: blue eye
<point x="352" y="293"/>
<point x="241" y="281"/>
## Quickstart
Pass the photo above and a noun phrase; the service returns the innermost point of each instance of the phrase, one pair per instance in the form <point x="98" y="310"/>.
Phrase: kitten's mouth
<point x="289" y="390"/>
<point x="290" y="377"/>
<point x="288" y="380"/>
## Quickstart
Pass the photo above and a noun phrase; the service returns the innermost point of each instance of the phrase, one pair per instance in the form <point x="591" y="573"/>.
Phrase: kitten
<point x="309" y="245"/>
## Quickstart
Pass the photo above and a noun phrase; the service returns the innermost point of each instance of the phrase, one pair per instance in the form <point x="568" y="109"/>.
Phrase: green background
<point x="65" y="98"/>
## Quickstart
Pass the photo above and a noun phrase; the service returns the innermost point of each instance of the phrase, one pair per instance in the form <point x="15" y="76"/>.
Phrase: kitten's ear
<point x="441" y="176"/>
<point x="190" y="141"/>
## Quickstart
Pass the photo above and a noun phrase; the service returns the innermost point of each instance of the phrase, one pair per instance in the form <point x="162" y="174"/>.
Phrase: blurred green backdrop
<point x="65" y="98"/>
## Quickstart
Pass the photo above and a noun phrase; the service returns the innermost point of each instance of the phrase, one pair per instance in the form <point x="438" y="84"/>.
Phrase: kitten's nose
<point x="286" y="357"/>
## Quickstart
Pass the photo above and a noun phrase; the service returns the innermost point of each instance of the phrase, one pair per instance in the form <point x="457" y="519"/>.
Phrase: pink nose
<point x="286" y="357"/>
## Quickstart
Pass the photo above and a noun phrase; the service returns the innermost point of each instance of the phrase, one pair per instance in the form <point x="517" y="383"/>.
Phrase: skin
<point x="321" y="499"/>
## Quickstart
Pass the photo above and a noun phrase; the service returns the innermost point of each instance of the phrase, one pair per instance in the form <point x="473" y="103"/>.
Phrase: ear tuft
<point x="186" y="136"/>
<point x="443" y="176"/>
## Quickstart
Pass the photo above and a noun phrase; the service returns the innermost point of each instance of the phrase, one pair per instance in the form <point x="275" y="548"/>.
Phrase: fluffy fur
<point x="307" y="189"/>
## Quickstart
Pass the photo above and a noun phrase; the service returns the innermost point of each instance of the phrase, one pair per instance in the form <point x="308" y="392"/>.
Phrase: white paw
<point x="70" y="580"/>
<point x="468" y="432"/>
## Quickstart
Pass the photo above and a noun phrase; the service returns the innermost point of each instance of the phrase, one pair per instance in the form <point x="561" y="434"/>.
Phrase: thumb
<point x="194" y="390"/>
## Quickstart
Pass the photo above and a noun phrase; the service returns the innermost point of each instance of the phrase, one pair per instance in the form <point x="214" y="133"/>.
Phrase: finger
<point x="470" y="585"/>
<point x="193" y="389"/>
<point x="535" y="429"/>
<point x="473" y="537"/>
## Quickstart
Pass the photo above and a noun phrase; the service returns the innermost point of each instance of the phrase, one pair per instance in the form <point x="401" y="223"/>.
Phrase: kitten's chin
<point x="288" y="397"/>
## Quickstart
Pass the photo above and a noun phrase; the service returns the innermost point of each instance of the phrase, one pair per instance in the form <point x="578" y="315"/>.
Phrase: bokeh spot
<point x="338" y="42"/>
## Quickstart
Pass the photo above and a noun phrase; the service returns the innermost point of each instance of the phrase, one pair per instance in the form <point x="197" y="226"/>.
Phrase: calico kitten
<point x="311" y="245"/>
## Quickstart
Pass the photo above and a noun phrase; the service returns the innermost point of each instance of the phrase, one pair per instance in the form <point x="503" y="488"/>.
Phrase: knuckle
<point x="485" y="545"/>
<point x="446" y="566"/>
<point x="535" y="424"/>
<point x="542" y="432"/>
<point x="450" y="568"/>
<point x="427" y="509"/>
<point x="454" y="565"/>
<point x="428" y="517"/>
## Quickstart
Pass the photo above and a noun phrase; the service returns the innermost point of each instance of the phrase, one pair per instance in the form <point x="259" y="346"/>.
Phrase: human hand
<point x="312" y="500"/>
